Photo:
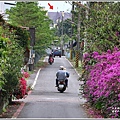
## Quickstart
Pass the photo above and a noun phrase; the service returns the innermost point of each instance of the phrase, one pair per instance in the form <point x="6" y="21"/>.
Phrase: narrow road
<point x="46" y="102"/>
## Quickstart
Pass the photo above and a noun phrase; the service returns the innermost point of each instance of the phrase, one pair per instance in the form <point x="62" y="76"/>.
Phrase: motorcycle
<point x="51" y="60"/>
<point x="61" y="86"/>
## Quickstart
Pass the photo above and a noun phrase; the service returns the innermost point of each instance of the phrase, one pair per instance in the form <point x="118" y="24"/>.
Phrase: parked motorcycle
<point x="61" y="86"/>
<point x="51" y="60"/>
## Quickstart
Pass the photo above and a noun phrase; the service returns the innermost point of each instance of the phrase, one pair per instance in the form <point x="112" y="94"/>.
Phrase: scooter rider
<point x="62" y="74"/>
<point x="50" y="57"/>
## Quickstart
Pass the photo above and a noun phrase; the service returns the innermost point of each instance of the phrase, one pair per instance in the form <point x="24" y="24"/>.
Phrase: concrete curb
<point x="15" y="115"/>
<point x="72" y="66"/>
<point x="82" y="100"/>
<point x="34" y="83"/>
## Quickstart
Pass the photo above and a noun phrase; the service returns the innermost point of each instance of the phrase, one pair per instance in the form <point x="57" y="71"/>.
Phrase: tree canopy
<point x="100" y="25"/>
<point x="29" y="14"/>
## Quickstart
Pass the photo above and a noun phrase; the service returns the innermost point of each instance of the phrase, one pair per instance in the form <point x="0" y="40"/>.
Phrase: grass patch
<point x="30" y="72"/>
<point x="40" y="64"/>
<point x="79" y="68"/>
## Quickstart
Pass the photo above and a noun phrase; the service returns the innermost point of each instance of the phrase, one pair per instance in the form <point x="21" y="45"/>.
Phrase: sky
<point x="57" y="5"/>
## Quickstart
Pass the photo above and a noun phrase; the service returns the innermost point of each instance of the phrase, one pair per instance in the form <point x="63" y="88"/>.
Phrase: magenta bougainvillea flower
<point x="103" y="81"/>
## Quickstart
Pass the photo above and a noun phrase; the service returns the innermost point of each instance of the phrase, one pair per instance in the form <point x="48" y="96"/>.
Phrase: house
<point x="57" y="16"/>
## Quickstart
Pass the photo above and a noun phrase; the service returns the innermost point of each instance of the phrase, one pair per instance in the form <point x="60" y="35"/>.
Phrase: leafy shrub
<point x="21" y="89"/>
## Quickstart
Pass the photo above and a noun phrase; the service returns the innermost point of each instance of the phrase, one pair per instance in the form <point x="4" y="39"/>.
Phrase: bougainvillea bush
<point x="102" y="83"/>
<point x="21" y="90"/>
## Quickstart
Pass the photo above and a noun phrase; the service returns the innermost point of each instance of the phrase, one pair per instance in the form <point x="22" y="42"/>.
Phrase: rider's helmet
<point x="62" y="68"/>
<point x="50" y="55"/>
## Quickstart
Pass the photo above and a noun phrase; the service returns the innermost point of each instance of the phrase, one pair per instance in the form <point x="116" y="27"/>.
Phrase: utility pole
<point x="62" y="34"/>
<point x="78" y="4"/>
<point x="78" y="40"/>
<point x="71" y="46"/>
<point x="87" y="12"/>
<point x="32" y="43"/>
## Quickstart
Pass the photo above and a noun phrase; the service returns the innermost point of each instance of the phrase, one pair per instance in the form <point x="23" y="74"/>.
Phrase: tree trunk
<point x="1" y="103"/>
<point x="10" y="99"/>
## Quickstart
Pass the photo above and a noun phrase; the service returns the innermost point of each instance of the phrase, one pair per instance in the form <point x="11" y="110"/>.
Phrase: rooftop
<point x="58" y="15"/>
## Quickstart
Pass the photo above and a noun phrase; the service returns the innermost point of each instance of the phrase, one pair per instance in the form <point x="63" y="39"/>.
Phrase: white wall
<point x="2" y="7"/>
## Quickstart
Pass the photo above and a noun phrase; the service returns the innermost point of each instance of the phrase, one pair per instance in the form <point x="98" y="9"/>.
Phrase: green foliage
<point x="22" y="37"/>
<point x="98" y="105"/>
<point x="12" y="61"/>
<point x="99" y="25"/>
<point x="29" y="14"/>
<point x="40" y="64"/>
<point x="100" y="28"/>
<point x="102" y="25"/>
<point x="66" y="28"/>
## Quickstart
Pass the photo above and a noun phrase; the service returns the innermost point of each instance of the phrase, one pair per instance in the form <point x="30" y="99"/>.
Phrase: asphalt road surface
<point x="46" y="102"/>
